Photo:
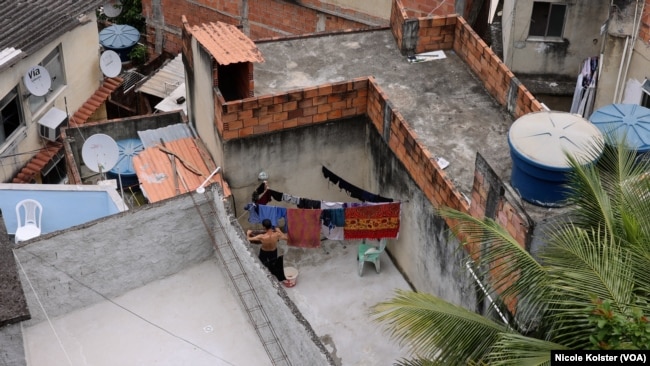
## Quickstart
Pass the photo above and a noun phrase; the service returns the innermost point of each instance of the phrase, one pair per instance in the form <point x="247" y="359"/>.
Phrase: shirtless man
<point x="269" y="241"/>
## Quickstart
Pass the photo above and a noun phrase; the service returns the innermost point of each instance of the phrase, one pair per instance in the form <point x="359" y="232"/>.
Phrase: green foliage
<point x="138" y="54"/>
<point x="603" y="252"/>
<point x="626" y="330"/>
<point x="131" y="15"/>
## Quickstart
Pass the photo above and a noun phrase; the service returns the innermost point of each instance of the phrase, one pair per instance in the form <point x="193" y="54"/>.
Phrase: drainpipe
<point x="487" y="295"/>
<point x="635" y="33"/>
<point x="626" y="57"/>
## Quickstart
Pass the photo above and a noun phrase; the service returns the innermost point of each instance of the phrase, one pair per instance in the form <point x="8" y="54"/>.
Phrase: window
<point x="645" y="95"/>
<point x="10" y="115"/>
<point x="53" y="63"/>
<point x="547" y="19"/>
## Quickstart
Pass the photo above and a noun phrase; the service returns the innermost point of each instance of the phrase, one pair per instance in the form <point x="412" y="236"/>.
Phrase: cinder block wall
<point x="120" y="253"/>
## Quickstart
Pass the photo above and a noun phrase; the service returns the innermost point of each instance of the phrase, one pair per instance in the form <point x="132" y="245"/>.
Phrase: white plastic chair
<point x="30" y="226"/>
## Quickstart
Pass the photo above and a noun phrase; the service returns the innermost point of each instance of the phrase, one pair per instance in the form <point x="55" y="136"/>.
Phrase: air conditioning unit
<point x="49" y="126"/>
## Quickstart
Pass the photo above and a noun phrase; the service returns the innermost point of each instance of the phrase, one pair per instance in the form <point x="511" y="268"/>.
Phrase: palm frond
<point x="582" y="264"/>
<point x="518" y="350"/>
<point x="435" y="329"/>
<point x="510" y="270"/>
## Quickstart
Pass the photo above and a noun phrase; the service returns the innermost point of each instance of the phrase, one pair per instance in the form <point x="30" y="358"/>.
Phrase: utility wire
<point x="123" y="308"/>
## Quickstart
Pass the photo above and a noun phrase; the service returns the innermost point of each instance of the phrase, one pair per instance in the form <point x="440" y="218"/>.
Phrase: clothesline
<point x="376" y="217"/>
<point x="334" y="220"/>
<point x="263" y="195"/>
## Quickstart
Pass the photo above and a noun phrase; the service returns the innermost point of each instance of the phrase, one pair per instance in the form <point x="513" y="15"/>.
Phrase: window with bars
<point x="547" y="19"/>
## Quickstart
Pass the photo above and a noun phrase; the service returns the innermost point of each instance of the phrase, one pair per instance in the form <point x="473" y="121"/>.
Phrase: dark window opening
<point x="10" y="118"/>
<point x="547" y="19"/>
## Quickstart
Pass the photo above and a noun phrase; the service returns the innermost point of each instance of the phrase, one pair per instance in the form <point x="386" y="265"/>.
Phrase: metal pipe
<point x="200" y="189"/>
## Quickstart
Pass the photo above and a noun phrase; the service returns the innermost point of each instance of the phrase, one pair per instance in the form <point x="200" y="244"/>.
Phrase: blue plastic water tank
<point x="120" y="38"/>
<point x="629" y="121"/>
<point x="538" y="144"/>
<point x="124" y="170"/>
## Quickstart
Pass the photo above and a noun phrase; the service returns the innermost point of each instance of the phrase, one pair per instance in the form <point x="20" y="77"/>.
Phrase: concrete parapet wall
<point x="105" y="258"/>
<point x="295" y="335"/>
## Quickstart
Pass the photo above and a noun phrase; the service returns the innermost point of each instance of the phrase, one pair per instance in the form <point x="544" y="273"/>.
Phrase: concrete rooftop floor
<point x="193" y="317"/>
<point x="190" y="318"/>
<point x="445" y="104"/>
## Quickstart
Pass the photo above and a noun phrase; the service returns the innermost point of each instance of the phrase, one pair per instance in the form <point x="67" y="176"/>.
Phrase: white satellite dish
<point x="37" y="80"/>
<point x="110" y="63"/>
<point x="100" y="153"/>
<point x="112" y="8"/>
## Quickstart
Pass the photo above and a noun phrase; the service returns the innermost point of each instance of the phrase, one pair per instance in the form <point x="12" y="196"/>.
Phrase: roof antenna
<point x="201" y="190"/>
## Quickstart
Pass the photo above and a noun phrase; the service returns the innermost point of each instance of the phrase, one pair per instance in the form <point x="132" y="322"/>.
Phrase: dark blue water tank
<point x="120" y="38"/>
<point x="538" y="144"/>
<point x="124" y="171"/>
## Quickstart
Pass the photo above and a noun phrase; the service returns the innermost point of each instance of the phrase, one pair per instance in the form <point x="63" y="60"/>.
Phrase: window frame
<point x="549" y="26"/>
<point x="12" y="97"/>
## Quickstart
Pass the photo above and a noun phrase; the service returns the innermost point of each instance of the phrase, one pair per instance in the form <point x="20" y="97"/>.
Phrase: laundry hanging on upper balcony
<point x="585" y="92"/>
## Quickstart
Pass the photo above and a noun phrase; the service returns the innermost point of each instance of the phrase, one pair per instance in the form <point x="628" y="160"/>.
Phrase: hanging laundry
<point x="372" y="222"/>
<point x="584" y="94"/>
<point x="277" y="196"/>
<point x="253" y="213"/>
<point x="291" y="199"/>
<point x="330" y="176"/>
<point x="307" y="203"/>
<point x="353" y="191"/>
<point x="303" y="227"/>
<point x="333" y="216"/>
<point x="261" y="195"/>
<point x="273" y="213"/>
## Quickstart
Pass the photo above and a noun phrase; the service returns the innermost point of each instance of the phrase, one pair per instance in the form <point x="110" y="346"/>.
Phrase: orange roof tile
<point x="95" y="101"/>
<point x="154" y="169"/>
<point x="34" y="166"/>
<point x="226" y="43"/>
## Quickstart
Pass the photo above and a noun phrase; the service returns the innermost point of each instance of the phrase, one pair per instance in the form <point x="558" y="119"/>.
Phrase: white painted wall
<point x="201" y="101"/>
<point x="80" y="48"/>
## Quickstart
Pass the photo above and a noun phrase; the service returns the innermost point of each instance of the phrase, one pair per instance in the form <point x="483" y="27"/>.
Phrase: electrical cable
<point x="120" y="306"/>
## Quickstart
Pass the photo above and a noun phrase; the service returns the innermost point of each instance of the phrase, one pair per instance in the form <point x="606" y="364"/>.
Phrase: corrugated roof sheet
<point x="226" y="43"/>
<point x="164" y="81"/>
<point x="154" y="169"/>
<point x="151" y="138"/>
<point x="28" y="25"/>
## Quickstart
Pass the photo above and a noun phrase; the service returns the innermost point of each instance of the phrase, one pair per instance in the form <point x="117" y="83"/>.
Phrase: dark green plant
<point x="131" y="15"/>
<point x="138" y="54"/>
<point x="626" y="330"/>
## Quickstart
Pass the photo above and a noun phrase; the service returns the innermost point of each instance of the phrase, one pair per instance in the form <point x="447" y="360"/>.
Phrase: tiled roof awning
<point x="226" y="43"/>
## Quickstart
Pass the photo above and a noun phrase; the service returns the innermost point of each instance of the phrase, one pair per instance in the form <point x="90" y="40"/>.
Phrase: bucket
<point x="291" y="274"/>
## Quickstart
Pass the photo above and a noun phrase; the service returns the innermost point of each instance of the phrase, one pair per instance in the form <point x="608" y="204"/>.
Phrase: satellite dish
<point x="110" y="63"/>
<point x="37" y="80"/>
<point x="100" y="153"/>
<point x="112" y="8"/>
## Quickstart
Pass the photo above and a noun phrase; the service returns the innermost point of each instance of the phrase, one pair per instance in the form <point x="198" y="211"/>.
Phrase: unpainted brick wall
<point x="267" y="18"/>
<point x="644" y="28"/>
<point x="241" y="118"/>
